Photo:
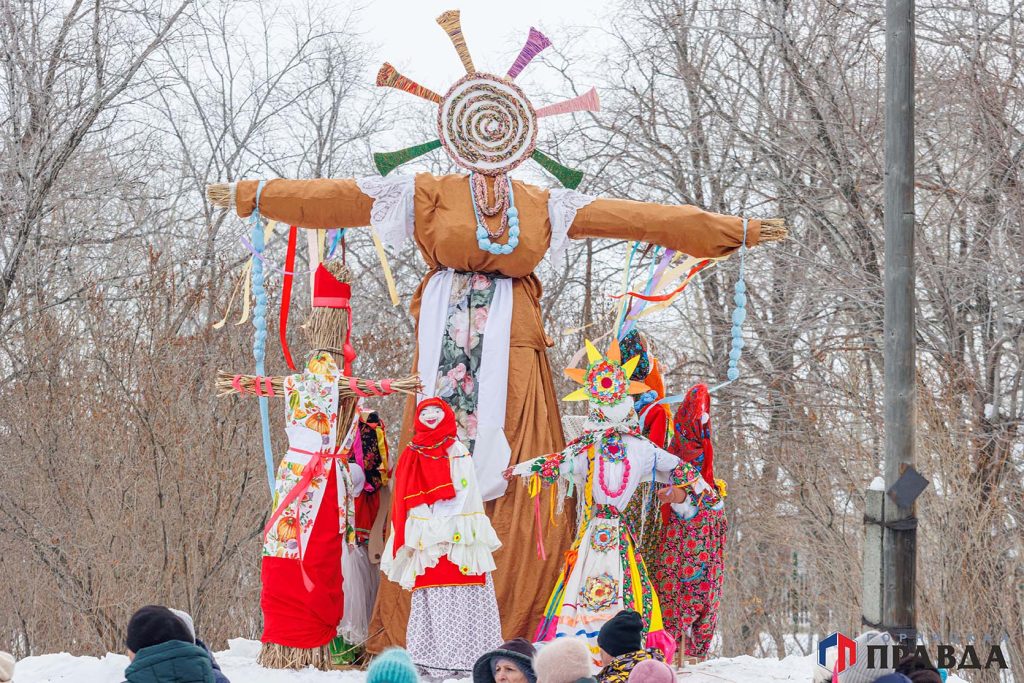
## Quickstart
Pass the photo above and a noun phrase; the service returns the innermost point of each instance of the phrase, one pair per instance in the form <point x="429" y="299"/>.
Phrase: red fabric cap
<point x="329" y="291"/>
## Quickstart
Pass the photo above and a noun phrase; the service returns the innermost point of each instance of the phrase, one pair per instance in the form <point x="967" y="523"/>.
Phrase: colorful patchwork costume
<point x="690" y="561"/>
<point x="603" y="572"/>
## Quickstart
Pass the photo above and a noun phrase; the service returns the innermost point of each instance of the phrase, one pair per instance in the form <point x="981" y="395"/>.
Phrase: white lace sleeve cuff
<point x="562" y="207"/>
<point x="392" y="215"/>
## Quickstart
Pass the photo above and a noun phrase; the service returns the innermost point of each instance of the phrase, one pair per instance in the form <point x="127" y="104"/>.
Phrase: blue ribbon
<point x="259" y="322"/>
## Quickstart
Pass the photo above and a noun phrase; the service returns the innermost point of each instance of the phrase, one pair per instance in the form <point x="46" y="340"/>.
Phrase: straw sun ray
<point x="485" y="122"/>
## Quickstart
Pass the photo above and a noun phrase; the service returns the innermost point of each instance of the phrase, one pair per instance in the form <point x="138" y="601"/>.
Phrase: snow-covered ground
<point x="239" y="664"/>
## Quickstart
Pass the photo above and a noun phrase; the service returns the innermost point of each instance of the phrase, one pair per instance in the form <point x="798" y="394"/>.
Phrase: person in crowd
<point x="510" y="663"/>
<point x="652" y="671"/>
<point x="186" y="618"/>
<point x="622" y="647"/>
<point x="858" y="672"/>
<point x="919" y="670"/>
<point x="565" y="660"/>
<point x="6" y="667"/>
<point x="161" y="650"/>
<point x="393" y="665"/>
<point x="892" y="678"/>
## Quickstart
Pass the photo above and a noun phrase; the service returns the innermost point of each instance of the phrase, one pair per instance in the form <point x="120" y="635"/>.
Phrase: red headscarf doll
<point x="692" y="439"/>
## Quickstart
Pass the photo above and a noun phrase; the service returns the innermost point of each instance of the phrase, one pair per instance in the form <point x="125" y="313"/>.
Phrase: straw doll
<point x="690" y="563"/>
<point x="603" y="572"/>
<point x="313" y="508"/>
<point x="481" y="345"/>
<point x="441" y="547"/>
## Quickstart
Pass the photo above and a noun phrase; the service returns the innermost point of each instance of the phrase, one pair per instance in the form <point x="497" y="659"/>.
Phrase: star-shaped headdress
<point x="605" y="380"/>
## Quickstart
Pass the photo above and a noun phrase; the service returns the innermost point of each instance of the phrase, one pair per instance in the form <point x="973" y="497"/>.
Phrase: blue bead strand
<point x="739" y="315"/>
<point x="483" y="240"/>
<point x="259" y="322"/>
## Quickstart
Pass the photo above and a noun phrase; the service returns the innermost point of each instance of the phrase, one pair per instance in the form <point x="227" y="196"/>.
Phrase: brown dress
<point x="445" y="231"/>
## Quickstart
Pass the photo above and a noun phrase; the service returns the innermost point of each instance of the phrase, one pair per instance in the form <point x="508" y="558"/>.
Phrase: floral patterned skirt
<point x="688" y="573"/>
<point x="603" y="575"/>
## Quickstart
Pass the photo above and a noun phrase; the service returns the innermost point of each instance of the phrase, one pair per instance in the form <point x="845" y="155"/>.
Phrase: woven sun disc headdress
<point x="485" y="122"/>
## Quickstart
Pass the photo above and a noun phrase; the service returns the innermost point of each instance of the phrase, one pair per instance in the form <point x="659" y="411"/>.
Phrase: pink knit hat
<point x="652" y="671"/>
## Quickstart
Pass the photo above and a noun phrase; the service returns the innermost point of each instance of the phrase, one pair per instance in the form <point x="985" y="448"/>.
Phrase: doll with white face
<point x="441" y="547"/>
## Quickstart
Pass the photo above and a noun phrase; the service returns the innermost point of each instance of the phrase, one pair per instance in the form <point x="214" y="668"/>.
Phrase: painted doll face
<point x="431" y="416"/>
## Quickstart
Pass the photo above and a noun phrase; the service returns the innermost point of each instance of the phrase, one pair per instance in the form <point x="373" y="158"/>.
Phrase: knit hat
<point x="6" y="667"/>
<point x="565" y="660"/>
<point x="924" y="676"/>
<point x="918" y="669"/>
<point x="187" y="619"/>
<point x="859" y="672"/>
<point x="518" y="651"/>
<point x="153" y="625"/>
<point x="652" y="671"/>
<point x="393" y="665"/>
<point x="622" y="633"/>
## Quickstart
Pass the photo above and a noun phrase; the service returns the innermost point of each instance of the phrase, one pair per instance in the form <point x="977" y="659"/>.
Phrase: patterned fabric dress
<point x="302" y="598"/>
<point x="688" y="572"/>
<point x="362" y="576"/>
<point x="603" y="573"/>
<point x="690" y="561"/>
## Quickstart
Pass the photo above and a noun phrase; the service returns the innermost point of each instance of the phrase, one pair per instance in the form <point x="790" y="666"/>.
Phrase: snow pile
<point x="239" y="664"/>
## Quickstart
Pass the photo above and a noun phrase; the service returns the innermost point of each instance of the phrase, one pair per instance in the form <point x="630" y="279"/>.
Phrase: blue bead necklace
<point x="483" y="239"/>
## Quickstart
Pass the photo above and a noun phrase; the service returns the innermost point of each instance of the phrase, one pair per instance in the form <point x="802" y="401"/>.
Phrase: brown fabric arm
<point x="324" y="203"/>
<point x="687" y="229"/>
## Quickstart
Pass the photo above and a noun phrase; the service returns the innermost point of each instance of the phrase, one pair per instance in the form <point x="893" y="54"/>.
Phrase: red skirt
<point x="292" y="615"/>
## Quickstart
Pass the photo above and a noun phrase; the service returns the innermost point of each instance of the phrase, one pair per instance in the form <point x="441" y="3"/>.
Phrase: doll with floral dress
<point x="604" y="573"/>
<point x="317" y="481"/>
<point x="690" y="562"/>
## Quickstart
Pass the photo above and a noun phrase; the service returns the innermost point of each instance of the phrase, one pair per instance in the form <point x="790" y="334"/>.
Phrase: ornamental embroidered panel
<point x="462" y="349"/>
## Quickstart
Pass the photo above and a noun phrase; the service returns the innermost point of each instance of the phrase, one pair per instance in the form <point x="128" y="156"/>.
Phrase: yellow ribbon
<point x="244" y="277"/>
<point x="534" y="485"/>
<point x="246" y="281"/>
<point x="385" y="266"/>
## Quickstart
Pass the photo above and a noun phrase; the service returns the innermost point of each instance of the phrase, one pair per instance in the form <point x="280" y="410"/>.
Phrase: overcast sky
<point x="408" y="36"/>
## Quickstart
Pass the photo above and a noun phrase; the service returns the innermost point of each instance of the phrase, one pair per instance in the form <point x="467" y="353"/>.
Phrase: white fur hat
<point x="6" y="667"/>
<point x="566" y="660"/>
<point x="186" y="618"/>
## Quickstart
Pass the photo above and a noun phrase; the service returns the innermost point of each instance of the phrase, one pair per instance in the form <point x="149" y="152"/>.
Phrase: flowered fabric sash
<point x="462" y="349"/>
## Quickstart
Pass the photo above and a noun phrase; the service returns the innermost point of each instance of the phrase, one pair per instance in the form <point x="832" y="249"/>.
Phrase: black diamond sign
<point x="908" y="487"/>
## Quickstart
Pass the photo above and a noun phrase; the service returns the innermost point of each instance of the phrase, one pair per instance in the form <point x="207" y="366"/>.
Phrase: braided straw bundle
<point x="486" y="124"/>
<point x="406" y="385"/>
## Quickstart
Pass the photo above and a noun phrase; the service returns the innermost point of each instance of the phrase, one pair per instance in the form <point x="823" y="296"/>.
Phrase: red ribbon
<point x="540" y="533"/>
<point x="286" y="293"/>
<point x="665" y="297"/>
